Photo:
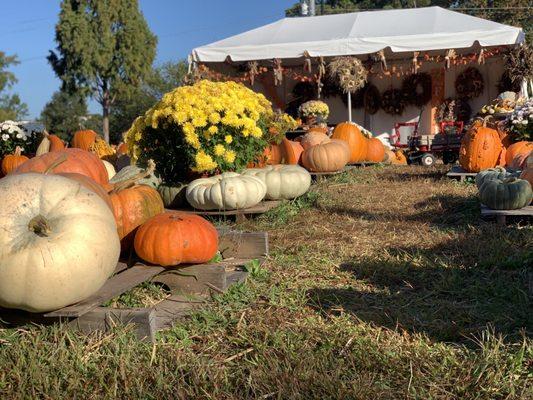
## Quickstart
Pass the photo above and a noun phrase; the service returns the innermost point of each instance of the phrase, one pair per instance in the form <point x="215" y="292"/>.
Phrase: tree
<point x="11" y="107"/>
<point x="64" y="113"/>
<point x="129" y="105"/>
<point x="104" y="48"/>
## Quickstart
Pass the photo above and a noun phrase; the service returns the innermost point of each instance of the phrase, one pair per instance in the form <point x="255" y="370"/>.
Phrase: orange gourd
<point x="399" y="158"/>
<point x="291" y="152"/>
<point x="481" y="148"/>
<point x="84" y="139"/>
<point x="122" y="148"/>
<point x="68" y="160"/>
<point x="351" y="134"/>
<point x="527" y="169"/>
<point x="375" y="151"/>
<point x="329" y="156"/>
<point x="517" y="153"/>
<point x="273" y="154"/>
<point x="174" y="238"/>
<point x="56" y="144"/>
<point x="89" y="184"/>
<point x="312" y="138"/>
<point x="12" y="161"/>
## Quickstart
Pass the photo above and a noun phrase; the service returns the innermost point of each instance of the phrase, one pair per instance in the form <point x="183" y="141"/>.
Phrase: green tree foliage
<point x="130" y="104"/>
<point x="488" y="9"/>
<point x="11" y="107"/>
<point x="64" y="113"/>
<point x="104" y="48"/>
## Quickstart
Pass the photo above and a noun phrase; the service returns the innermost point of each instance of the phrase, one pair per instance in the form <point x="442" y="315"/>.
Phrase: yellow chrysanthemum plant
<point x="205" y="128"/>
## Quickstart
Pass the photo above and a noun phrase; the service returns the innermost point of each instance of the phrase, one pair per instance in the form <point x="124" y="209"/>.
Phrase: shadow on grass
<point x="448" y="292"/>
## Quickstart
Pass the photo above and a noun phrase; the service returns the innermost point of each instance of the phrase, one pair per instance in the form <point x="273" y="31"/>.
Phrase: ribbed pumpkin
<point x="12" y="161"/>
<point x="507" y="194"/>
<point x="73" y="160"/>
<point x="291" y="152"/>
<point x="312" y="138"/>
<point x="329" y="156"/>
<point x="504" y="136"/>
<point x="527" y="169"/>
<point x="517" y="153"/>
<point x="173" y="196"/>
<point x="174" y="238"/>
<point x="89" y="184"/>
<point x="481" y="148"/>
<point x="134" y="204"/>
<point x="357" y="142"/>
<point x="375" y="151"/>
<point x="492" y="173"/>
<point x="273" y="154"/>
<point x="84" y="139"/>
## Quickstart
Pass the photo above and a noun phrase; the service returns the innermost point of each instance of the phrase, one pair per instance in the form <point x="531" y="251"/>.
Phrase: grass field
<point x="383" y="283"/>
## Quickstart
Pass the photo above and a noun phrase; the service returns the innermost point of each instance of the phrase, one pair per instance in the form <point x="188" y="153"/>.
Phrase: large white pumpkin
<point x="227" y="191"/>
<point x="282" y="181"/>
<point x="58" y="242"/>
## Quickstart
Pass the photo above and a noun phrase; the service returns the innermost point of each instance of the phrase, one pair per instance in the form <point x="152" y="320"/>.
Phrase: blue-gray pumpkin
<point x="493" y="173"/>
<point x="506" y="194"/>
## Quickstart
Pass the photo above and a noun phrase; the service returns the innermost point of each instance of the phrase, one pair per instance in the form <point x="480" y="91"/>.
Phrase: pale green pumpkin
<point x="493" y="173"/>
<point x="507" y="194"/>
<point x="173" y="196"/>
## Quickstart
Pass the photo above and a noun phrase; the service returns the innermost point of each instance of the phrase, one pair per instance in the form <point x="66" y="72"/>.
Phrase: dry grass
<point x="383" y="283"/>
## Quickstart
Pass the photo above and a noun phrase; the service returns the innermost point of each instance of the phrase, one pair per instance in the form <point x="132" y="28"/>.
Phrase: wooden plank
<point x="174" y="308"/>
<point x="233" y="277"/>
<point x="458" y="172"/>
<point x="194" y="279"/>
<point x="526" y="211"/>
<point x="104" y="319"/>
<point x="260" y="208"/>
<point x="243" y="245"/>
<point x="115" y="286"/>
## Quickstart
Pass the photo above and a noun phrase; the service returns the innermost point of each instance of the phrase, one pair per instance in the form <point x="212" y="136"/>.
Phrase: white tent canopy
<point x="404" y="30"/>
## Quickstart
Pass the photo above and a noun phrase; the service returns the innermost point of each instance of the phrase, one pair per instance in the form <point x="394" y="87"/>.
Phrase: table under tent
<point x="435" y="55"/>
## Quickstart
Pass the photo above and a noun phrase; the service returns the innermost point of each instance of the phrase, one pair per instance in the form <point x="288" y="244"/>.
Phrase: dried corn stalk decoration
<point x="481" y="57"/>
<point x="307" y="64"/>
<point x="349" y="72"/>
<point x="253" y="70"/>
<point x="415" y="61"/>
<point x="321" y="73"/>
<point x="519" y="63"/>
<point x="383" y="60"/>
<point x="450" y="55"/>
<point x="278" y="72"/>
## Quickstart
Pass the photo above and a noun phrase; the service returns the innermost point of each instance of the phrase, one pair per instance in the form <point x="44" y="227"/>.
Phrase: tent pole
<point x="349" y="107"/>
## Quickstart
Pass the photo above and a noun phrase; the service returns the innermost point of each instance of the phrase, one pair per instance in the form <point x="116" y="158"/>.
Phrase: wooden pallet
<point x="190" y="287"/>
<point x="458" y="173"/>
<point x="501" y="215"/>
<point x="240" y="214"/>
<point x="362" y="164"/>
<point x="322" y="175"/>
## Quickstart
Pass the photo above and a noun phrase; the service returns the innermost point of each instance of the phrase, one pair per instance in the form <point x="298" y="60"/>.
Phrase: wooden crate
<point x="501" y="215"/>
<point x="240" y="214"/>
<point x="458" y="173"/>
<point x="190" y="289"/>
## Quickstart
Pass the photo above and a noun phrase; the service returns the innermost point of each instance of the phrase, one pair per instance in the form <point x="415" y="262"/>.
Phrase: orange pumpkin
<point x="481" y="148"/>
<point x="122" y="148"/>
<point x="527" y="169"/>
<point x="517" y="153"/>
<point x="273" y="154"/>
<point x="174" y="238"/>
<point x="291" y="152"/>
<point x="351" y="134"/>
<point x="89" y="184"/>
<point x="312" y="138"/>
<point x="68" y="160"/>
<point x="504" y="135"/>
<point x="329" y="156"/>
<point x="399" y="158"/>
<point x="318" y="129"/>
<point x="84" y="139"/>
<point x="375" y="151"/>
<point x="12" y="161"/>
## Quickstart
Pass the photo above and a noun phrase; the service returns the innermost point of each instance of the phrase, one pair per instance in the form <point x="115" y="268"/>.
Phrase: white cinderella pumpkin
<point x="282" y="181"/>
<point x="227" y="191"/>
<point x="58" y="242"/>
<point x="109" y="168"/>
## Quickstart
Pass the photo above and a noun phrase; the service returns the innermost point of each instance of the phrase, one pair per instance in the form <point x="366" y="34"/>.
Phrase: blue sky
<point x="180" y="26"/>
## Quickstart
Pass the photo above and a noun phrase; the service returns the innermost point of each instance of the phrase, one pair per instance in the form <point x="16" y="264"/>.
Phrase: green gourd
<point x="173" y="196"/>
<point x="132" y="170"/>
<point x="492" y="173"/>
<point x="507" y="194"/>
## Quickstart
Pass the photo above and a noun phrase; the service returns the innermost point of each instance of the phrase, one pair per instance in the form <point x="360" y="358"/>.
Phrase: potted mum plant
<point x="22" y="134"/>
<point x="314" y="113"/>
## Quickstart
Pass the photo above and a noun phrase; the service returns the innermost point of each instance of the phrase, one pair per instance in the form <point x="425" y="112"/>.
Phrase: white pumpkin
<point x="58" y="242"/>
<point x="109" y="168"/>
<point x="227" y="191"/>
<point x="282" y="181"/>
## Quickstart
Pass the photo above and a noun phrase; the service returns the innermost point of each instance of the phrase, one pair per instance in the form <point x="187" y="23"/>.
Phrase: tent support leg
<point x="349" y="107"/>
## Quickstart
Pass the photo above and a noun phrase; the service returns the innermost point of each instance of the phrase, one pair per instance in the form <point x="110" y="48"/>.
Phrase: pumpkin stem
<point x="55" y="164"/>
<point x="135" y="178"/>
<point x="18" y="151"/>
<point x="39" y="225"/>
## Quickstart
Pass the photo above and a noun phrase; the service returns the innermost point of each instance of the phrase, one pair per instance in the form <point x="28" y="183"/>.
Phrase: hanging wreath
<point x="372" y="99"/>
<point x="453" y="110"/>
<point x="393" y="102"/>
<point x="417" y="89"/>
<point x="469" y="84"/>
<point x="349" y="72"/>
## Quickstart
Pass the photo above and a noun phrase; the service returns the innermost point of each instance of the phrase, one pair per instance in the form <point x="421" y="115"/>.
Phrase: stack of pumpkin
<point x="65" y="224"/>
<point x="318" y="152"/>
